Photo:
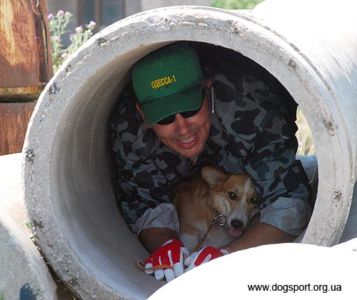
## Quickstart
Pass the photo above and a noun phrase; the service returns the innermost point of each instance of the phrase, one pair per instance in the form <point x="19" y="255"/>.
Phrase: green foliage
<point x="58" y="29"/>
<point x="236" y="4"/>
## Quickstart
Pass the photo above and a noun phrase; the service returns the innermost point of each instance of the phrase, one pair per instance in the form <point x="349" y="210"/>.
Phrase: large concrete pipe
<point x="23" y="272"/>
<point x="310" y="48"/>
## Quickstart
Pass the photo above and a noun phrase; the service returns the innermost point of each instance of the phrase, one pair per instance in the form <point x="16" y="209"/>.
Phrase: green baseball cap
<point x="168" y="81"/>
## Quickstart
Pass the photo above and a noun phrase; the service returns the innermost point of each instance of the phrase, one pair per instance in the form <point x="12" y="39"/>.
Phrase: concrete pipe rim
<point x="61" y="115"/>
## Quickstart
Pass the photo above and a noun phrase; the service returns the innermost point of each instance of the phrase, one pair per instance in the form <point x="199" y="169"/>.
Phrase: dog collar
<point x="218" y="220"/>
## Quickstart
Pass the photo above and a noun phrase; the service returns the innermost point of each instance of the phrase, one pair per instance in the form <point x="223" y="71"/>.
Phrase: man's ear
<point x="141" y="113"/>
<point x="207" y="83"/>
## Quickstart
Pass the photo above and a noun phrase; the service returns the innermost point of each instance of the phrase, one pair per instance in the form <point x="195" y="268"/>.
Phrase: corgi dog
<point x="229" y="200"/>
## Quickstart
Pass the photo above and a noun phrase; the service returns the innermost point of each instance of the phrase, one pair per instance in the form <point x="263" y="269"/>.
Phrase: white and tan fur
<point x="216" y="192"/>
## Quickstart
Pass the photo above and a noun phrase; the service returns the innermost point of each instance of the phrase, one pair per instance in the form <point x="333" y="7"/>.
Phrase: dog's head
<point x="234" y="196"/>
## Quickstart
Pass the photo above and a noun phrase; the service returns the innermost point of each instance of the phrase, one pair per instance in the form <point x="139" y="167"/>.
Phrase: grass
<point x="236" y="4"/>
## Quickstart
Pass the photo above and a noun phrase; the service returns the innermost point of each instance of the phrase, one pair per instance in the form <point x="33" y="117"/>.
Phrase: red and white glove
<point x="167" y="261"/>
<point x="202" y="256"/>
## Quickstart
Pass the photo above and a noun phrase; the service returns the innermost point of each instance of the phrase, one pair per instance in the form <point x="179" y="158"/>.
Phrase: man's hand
<point x="167" y="261"/>
<point x="202" y="256"/>
<point x="259" y="234"/>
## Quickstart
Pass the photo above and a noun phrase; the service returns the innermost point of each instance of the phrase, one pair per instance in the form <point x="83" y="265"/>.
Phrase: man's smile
<point x="187" y="142"/>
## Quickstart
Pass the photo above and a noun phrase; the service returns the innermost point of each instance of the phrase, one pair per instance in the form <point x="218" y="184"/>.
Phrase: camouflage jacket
<point x="253" y="130"/>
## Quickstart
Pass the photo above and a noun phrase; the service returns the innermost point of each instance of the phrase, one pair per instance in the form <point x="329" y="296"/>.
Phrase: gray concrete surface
<point x="23" y="272"/>
<point x="67" y="170"/>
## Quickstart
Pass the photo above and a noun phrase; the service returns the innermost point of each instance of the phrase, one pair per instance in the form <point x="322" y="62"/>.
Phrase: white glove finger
<point x="190" y="262"/>
<point x="185" y="252"/>
<point x="187" y="260"/>
<point x="190" y="267"/>
<point x="148" y="269"/>
<point x="169" y="274"/>
<point x="159" y="274"/>
<point x="191" y="258"/>
<point x="224" y="251"/>
<point x="179" y="269"/>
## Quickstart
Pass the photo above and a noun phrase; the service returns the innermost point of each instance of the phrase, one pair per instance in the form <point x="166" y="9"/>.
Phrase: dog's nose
<point x="237" y="224"/>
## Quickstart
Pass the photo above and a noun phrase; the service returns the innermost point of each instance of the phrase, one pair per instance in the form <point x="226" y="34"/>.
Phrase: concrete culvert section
<point x="67" y="165"/>
<point x="23" y="272"/>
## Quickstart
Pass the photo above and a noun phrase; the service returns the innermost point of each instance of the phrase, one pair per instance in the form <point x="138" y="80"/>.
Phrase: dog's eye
<point x="254" y="200"/>
<point x="232" y="195"/>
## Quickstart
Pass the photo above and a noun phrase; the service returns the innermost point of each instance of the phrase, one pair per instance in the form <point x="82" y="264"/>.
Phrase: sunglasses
<point x="185" y="114"/>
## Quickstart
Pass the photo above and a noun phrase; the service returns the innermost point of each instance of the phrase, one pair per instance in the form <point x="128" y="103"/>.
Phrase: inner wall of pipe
<point x="83" y="180"/>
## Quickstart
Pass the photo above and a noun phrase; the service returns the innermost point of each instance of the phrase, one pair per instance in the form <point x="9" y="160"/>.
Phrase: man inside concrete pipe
<point x="191" y="105"/>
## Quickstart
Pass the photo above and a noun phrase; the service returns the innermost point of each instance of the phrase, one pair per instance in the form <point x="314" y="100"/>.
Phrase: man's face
<point x="186" y="136"/>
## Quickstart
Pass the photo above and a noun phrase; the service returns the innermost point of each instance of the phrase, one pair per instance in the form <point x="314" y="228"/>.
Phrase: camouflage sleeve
<point x="162" y="216"/>
<point x="278" y="176"/>
<point x="139" y="182"/>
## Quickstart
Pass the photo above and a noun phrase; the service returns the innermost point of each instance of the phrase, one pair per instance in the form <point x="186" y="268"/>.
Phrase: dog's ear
<point x="213" y="175"/>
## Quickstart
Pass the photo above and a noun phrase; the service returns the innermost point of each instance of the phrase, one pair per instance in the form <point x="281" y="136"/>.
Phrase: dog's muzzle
<point x="237" y="224"/>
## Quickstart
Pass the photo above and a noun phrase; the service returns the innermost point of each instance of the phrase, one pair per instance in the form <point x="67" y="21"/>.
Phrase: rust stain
<point x="6" y="20"/>
<point x="14" y="118"/>
<point x="19" y="93"/>
<point x="18" y="32"/>
<point x="24" y="60"/>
